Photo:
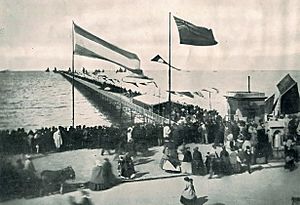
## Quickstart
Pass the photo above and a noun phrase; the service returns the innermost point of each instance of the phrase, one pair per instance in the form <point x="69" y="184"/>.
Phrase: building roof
<point x="245" y="95"/>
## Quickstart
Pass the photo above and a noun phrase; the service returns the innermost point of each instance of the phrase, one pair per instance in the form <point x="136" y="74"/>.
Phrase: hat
<point x="27" y="156"/>
<point x="186" y="179"/>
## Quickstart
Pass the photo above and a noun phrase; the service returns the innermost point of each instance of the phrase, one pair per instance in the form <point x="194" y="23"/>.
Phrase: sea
<point x="36" y="99"/>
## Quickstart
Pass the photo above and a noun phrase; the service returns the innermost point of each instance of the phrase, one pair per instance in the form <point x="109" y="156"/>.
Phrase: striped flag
<point x="89" y="45"/>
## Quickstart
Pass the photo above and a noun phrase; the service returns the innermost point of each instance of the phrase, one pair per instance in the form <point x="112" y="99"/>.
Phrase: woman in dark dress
<point x="198" y="167"/>
<point x="102" y="176"/>
<point x="126" y="167"/>
<point x="188" y="196"/>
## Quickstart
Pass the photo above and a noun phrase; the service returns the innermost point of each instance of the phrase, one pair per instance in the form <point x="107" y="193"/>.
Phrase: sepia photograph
<point x="127" y="102"/>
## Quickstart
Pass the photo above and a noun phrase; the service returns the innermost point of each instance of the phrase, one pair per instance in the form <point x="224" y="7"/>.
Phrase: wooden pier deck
<point x="119" y="101"/>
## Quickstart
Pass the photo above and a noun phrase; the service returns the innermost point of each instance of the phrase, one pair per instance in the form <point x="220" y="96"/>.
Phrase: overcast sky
<point x="257" y="34"/>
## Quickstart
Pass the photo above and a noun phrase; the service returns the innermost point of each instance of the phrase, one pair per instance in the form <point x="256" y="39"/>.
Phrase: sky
<point x="252" y="35"/>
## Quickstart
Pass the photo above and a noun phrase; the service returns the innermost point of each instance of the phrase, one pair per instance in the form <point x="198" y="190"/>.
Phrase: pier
<point x="117" y="102"/>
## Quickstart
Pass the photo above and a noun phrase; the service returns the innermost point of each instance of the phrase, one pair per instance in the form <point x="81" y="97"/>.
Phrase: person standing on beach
<point x="57" y="138"/>
<point x="129" y="134"/>
<point x="197" y="164"/>
<point x="30" y="141"/>
<point x="248" y="157"/>
<point x="166" y="133"/>
<point x="188" y="196"/>
<point x="186" y="165"/>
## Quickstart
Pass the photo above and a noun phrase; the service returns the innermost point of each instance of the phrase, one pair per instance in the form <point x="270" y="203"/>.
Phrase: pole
<point x="170" y="104"/>
<point x="73" y="104"/>
<point x="209" y="96"/>
<point x="249" y="84"/>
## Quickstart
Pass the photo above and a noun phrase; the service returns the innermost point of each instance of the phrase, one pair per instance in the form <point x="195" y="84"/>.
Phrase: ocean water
<point x="35" y="99"/>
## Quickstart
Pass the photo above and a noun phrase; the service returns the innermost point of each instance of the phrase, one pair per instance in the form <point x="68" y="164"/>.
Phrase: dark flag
<point x="185" y="93"/>
<point x="269" y="104"/>
<point x="285" y="84"/>
<point x="217" y="90"/>
<point x="207" y="90"/>
<point x="290" y="101"/>
<point x="159" y="59"/>
<point x="289" y="95"/>
<point x="199" y="94"/>
<point x="191" y="34"/>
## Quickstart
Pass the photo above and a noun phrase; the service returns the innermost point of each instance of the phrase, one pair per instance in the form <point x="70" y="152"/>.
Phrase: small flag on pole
<point x="159" y="59"/>
<point x="191" y="34"/>
<point x="89" y="45"/>
<point x="199" y="94"/>
<point x="217" y="90"/>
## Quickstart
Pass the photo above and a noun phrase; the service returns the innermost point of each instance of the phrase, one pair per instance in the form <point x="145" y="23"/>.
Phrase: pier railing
<point x="123" y="101"/>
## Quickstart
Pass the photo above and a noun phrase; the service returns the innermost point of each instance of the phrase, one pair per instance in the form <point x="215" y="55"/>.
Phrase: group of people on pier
<point x="235" y="146"/>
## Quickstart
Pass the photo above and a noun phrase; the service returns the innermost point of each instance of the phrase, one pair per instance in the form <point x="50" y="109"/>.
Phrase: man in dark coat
<point x="186" y="165"/>
<point x="197" y="163"/>
<point x="226" y="166"/>
<point x="248" y="157"/>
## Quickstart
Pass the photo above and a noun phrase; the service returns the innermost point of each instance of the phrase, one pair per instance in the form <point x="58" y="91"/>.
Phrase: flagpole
<point x="73" y="104"/>
<point x="170" y="104"/>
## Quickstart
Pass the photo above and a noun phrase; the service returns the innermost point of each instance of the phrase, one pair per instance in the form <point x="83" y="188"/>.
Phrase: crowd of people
<point x="106" y="84"/>
<point x="235" y="146"/>
<point x="243" y="144"/>
<point x="234" y="136"/>
<point x="60" y="138"/>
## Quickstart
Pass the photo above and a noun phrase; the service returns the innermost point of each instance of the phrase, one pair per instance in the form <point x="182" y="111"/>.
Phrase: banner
<point x="89" y="45"/>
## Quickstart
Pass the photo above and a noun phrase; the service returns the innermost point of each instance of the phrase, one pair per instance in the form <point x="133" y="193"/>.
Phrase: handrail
<point x="123" y="100"/>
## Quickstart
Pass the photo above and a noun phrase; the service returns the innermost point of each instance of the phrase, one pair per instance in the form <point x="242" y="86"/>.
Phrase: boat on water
<point x="4" y="71"/>
<point x="47" y="70"/>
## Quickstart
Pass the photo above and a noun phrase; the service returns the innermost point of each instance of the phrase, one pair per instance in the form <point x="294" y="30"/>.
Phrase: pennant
<point x="206" y="90"/>
<point x="172" y="92"/>
<point x="159" y="59"/>
<point x="191" y="34"/>
<point x="153" y="83"/>
<point x="186" y="93"/>
<point x="199" y="94"/>
<point x="89" y="45"/>
<point x="133" y="83"/>
<point x="217" y="90"/>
